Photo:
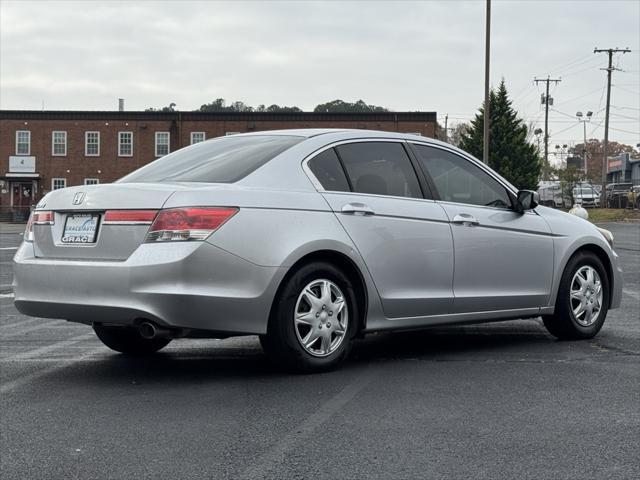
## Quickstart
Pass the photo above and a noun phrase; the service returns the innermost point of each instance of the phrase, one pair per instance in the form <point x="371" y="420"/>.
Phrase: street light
<point x="537" y="132"/>
<point x="584" y="145"/>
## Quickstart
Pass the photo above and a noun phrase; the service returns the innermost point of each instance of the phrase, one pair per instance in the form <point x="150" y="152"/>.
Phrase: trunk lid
<point x="75" y="205"/>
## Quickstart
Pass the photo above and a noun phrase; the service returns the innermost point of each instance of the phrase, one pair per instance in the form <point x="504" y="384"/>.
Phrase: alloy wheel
<point x="586" y="295"/>
<point x="321" y="318"/>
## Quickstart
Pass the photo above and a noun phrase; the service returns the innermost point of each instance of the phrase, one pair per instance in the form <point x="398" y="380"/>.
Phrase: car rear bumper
<point x="191" y="285"/>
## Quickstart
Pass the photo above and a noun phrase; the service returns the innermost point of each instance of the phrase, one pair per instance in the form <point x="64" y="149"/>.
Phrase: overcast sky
<point x="426" y="55"/>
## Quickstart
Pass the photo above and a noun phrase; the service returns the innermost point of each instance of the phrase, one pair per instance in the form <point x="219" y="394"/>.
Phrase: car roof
<point x="278" y="172"/>
<point x="346" y="134"/>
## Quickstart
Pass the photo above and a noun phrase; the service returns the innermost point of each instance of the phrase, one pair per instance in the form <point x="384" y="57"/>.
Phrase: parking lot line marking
<point x="635" y="295"/>
<point x="18" y="382"/>
<point x="49" y="348"/>
<point x="275" y="455"/>
<point x="8" y="248"/>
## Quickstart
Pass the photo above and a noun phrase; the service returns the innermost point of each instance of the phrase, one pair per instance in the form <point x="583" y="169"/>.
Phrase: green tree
<point x="569" y="177"/>
<point x="457" y="132"/>
<point x="220" y="105"/>
<point x="340" y="106"/>
<point x="169" y="108"/>
<point x="510" y="153"/>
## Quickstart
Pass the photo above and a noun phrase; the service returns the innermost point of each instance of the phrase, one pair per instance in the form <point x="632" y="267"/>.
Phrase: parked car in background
<point x="309" y="239"/>
<point x="633" y="197"/>
<point x="586" y="195"/>
<point x="561" y="195"/>
<point x="616" y="195"/>
<point x="551" y="195"/>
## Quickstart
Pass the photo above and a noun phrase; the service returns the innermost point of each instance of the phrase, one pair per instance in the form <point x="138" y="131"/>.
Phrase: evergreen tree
<point x="510" y="154"/>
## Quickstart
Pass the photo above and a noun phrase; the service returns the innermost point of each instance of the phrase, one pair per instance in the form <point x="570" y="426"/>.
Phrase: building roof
<point x="221" y="116"/>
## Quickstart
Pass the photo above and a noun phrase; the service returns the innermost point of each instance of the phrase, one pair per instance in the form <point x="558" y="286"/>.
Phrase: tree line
<point x="221" y="105"/>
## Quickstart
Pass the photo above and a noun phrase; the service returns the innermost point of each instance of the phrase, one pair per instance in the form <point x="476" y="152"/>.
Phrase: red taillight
<point x="188" y="223"/>
<point x="129" y="217"/>
<point x="43" y="218"/>
<point x="37" y="218"/>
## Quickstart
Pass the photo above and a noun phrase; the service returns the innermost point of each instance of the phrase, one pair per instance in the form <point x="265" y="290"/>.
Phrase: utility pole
<point x="487" y="107"/>
<point x="584" y="145"/>
<point x="446" y="132"/>
<point x="605" y="148"/>
<point x="545" y="100"/>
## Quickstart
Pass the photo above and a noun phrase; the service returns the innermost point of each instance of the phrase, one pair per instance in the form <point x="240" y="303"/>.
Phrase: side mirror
<point x="527" y="200"/>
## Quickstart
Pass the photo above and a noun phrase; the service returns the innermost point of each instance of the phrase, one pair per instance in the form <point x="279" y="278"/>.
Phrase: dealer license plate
<point x="80" y="228"/>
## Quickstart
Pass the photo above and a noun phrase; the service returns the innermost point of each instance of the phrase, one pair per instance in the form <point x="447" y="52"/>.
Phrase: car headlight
<point x="608" y="236"/>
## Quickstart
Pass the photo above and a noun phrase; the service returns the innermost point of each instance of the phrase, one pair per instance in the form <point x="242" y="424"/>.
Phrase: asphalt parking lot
<point x="493" y="401"/>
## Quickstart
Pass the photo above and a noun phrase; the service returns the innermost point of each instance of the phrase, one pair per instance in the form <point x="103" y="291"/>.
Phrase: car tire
<point x="570" y="320"/>
<point x="128" y="340"/>
<point x="294" y="321"/>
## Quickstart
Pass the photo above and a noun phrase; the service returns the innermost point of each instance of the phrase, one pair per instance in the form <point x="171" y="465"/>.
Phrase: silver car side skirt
<point x="456" y="319"/>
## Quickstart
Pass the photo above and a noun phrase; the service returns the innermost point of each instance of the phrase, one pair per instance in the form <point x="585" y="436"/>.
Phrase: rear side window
<point x="380" y="168"/>
<point x="327" y="169"/>
<point x="459" y="180"/>
<point x="222" y="160"/>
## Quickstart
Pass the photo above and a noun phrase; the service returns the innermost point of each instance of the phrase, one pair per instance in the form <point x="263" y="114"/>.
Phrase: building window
<point x="23" y="142"/>
<point x="91" y="181"/>
<point x="197" y="137"/>
<point x="92" y="144"/>
<point x="125" y="144"/>
<point x="58" y="183"/>
<point x="162" y="143"/>
<point x="59" y="144"/>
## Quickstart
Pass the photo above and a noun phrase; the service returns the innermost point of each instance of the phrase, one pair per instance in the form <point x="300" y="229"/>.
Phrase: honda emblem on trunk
<point x="78" y="198"/>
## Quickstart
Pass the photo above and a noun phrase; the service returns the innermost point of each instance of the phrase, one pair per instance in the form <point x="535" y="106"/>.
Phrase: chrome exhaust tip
<point x="149" y="331"/>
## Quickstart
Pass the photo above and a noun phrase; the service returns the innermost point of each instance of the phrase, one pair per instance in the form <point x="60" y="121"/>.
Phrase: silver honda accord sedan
<point x="309" y="239"/>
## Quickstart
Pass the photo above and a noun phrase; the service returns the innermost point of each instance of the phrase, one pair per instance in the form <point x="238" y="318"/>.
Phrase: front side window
<point x="380" y="168"/>
<point x="59" y="143"/>
<point x="92" y="144"/>
<point x="23" y="142"/>
<point x="58" y="183"/>
<point x="91" y="181"/>
<point x="459" y="180"/>
<point x="327" y="169"/>
<point x="197" y="137"/>
<point x="125" y="144"/>
<point x="162" y="143"/>
<point x="222" y="160"/>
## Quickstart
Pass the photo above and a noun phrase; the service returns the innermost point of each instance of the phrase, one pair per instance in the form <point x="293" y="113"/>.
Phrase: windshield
<point x="221" y="160"/>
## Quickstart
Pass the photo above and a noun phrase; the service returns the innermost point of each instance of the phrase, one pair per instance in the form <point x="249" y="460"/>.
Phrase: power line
<point x="637" y="132"/>
<point x="637" y="119"/>
<point x="571" y="63"/>
<point x="625" y="108"/>
<point x="624" y="89"/>
<point x="568" y="128"/>
<point x="562" y="113"/>
<point x="580" y="96"/>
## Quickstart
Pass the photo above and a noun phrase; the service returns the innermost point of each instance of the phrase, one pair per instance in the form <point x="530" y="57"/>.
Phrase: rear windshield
<point x="221" y="160"/>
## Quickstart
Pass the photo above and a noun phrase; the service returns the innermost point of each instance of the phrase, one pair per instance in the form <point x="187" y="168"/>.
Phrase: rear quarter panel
<point x="277" y="228"/>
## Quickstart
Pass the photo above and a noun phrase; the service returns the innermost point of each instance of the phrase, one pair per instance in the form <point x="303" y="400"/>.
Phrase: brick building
<point x="45" y="150"/>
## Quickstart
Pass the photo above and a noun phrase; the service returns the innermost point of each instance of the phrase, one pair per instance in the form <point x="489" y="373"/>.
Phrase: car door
<point x="503" y="259"/>
<point x="403" y="237"/>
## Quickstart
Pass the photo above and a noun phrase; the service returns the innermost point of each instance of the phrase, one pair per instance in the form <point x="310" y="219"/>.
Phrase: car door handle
<point x="465" y="219"/>
<point x="357" y="209"/>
